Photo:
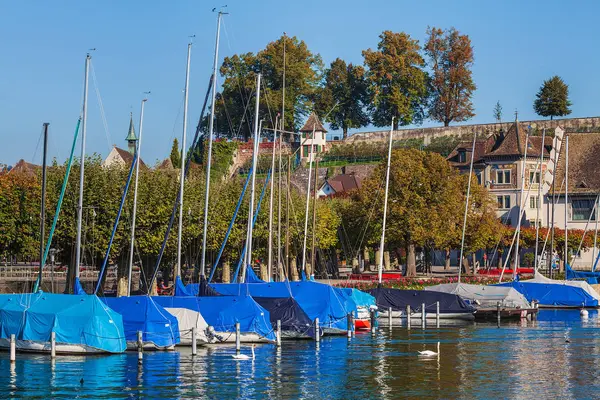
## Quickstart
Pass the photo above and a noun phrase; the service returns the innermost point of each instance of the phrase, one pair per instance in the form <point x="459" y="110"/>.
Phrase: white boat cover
<point x="481" y="296"/>
<point x="187" y="320"/>
<point x="539" y="278"/>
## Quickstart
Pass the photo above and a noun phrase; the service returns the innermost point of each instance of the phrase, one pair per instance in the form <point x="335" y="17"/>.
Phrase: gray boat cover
<point x="481" y="296"/>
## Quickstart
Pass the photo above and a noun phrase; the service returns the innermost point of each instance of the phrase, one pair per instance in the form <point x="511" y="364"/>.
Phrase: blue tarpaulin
<point x="75" y="319"/>
<point x="316" y="299"/>
<point x="222" y="312"/>
<point x="141" y="313"/>
<point x="362" y="299"/>
<point x="588" y="276"/>
<point x="554" y="294"/>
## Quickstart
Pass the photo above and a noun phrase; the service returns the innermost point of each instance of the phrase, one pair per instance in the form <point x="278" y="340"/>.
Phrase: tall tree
<point x="452" y="86"/>
<point x="175" y="154"/>
<point x="498" y="112"/>
<point x="552" y="100"/>
<point x="303" y="74"/>
<point x="397" y="80"/>
<point x="344" y="98"/>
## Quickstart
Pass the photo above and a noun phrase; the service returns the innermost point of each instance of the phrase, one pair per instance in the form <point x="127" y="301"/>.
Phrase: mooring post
<point x="278" y="333"/>
<point x="317" y="330"/>
<point x="352" y="325"/>
<point x="349" y="325"/>
<point x="237" y="337"/>
<point x="437" y="314"/>
<point x="498" y="312"/>
<point x="423" y="315"/>
<point x="52" y="344"/>
<point x="408" y="316"/>
<point x="194" y="344"/>
<point x="140" y="347"/>
<point x="373" y="321"/>
<point x="390" y="320"/>
<point x="13" y="348"/>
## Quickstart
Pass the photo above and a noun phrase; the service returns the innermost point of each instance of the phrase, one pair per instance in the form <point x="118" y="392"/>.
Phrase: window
<point x="503" y="176"/>
<point x="462" y="156"/>
<point x="504" y="202"/>
<point x="306" y="151"/>
<point x="479" y="177"/>
<point x="582" y="209"/>
<point x="534" y="202"/>
<point x="534" y="177"/>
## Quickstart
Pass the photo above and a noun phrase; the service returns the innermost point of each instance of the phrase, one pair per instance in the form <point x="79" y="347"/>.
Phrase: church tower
<point x="131" y="139"/>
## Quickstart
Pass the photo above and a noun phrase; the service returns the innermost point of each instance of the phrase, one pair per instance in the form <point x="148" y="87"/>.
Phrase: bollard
<point x="390" y="317"/>
<point x="349" y="325"/>
<point x="52" y="344"/>
<point x="278" y="333"/>
<point x="498" y="312"/>
<point x="13" y="348"/>
<point x="317" y="331"/>
<point x="140" y="347"/>
<point x="237" y="337"/>
<point x="373" y="321"/>
<point x="194" y="344"/>
<point x="423" y="315"/>
<point x="437" y="314"/>
<point x="352" y="325"/>
<point x="408" y="316"/>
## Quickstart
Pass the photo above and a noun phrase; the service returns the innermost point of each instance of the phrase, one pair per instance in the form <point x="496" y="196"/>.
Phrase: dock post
<point x="13" y="348"/>
<point x="237" y="337"/>
<point x="317" y="331"/>
<point x="352" y="325"/>
<point x="52" y="344"/>
<point x="437" y="314"/>
<point x="390" y="318"/>
<point x="278" y="333"/>
<point x="349" y="325"/>
<point x="140" y="347"/>
<point x="408" y="316"/>
<point x="373" y="321"/>
<point x="423" y="315"/>
<point x="194" y="344"/>
<point x="498" y="312"/>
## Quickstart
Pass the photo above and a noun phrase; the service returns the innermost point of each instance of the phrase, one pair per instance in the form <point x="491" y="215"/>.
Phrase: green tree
<point x="552" y="100"/>
<point x="175" y="154"/>
<point x="452" y="86"/>
<point x="397" y="80"/>
<point x="498" y="112"/>
<point x="344" y="98"/>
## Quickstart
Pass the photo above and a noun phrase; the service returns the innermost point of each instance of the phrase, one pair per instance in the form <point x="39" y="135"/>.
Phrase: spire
<point x="517" y="131"/>
<point x="131" y="138"/>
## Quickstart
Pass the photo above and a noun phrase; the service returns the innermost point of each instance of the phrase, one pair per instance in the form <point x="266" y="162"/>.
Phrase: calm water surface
<point x="476" y="361"/>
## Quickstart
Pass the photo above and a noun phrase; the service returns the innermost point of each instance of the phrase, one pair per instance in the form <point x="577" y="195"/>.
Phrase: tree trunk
<point x="293" y="270"/>
<point x="446" y="122"/>
<point x="447" y="263"/>
<point x="345" y="132"/>
<point x="395" y="125"/>
<point x="465" y="265"/>
<point x="226" y="273"/>
<point x="387" y="261"/>
<point x="411" y="262"/>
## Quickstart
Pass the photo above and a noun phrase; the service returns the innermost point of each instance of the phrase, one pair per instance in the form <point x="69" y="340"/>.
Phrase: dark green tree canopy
<point x="175" y="154"/>
<point x="552" y="100"/>
<point x="397" y="80"/>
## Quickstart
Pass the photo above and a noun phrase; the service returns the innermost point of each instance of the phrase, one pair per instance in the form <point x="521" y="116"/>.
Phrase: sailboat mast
<point x="43" y="202"/>
<point x="539" y="196"/>
<point x="595" y="234"/>
<point x="183" y="158"/>
<point x="521" y="200"/>
<point x="313" y="256"/>
<point x="310" y="161"/>
<point x="566" y="251"/>
<point x="385" y="203"/>
<point x="82" y="165"/>
<point x="248" y="262"/>
<point x="209" y="155"/>
<point x="279" y="214"/>
<point x="462" y="240"/>
<point x="270" y="246"/>
<point x="135" y="189"/>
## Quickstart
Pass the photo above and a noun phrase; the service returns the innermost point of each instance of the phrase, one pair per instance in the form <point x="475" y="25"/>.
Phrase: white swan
<point x="244" y="356"/>
<point x="427" y="353"/>
<point x="584" y="313"/>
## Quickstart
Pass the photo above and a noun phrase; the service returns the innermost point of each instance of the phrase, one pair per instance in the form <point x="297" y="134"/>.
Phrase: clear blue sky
<point x="141" y="46"/>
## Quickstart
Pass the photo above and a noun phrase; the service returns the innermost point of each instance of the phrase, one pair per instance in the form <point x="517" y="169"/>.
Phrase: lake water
<point x="476" y="361"/>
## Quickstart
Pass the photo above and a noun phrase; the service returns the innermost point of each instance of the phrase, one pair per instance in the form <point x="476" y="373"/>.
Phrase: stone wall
<point x="569" y="124"/>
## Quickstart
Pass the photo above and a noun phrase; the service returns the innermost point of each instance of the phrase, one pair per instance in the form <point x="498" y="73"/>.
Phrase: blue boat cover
<point x="141" y="313"/>
<point x="288" y="311"/>
<point x="398" y="299"/>
<point x="75" y="319"/>
<point x="318" y="300"/>
<point x="589" y="276"/>
<point x="553" y="294"/>
<point x="77" y="288"/>
<point x="362" y="299"/>
<point x="222" y="312"/>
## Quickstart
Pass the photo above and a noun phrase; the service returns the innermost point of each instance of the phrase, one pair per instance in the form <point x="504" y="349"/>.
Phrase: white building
<point x="318" y="141"/>
<point x="120" y="157"/>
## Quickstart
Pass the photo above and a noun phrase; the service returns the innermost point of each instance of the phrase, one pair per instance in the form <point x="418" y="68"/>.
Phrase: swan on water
<point x="427" y="353"/>
<point x="584" y="313"/>
<point x="244" y="356"/>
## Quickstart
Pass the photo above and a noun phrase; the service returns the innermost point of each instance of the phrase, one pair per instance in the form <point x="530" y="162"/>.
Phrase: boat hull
<point x="491" y="314"/>
<point x="362" y="324"/>
<point x="45" y="347"/>
<point x="466" y="316"/>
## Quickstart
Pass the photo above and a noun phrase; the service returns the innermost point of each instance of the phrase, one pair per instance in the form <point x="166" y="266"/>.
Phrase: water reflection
<point x="553" y="357"/>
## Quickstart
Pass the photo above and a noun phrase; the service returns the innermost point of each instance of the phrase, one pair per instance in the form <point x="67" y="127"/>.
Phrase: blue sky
<point x="141" y="46"/>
